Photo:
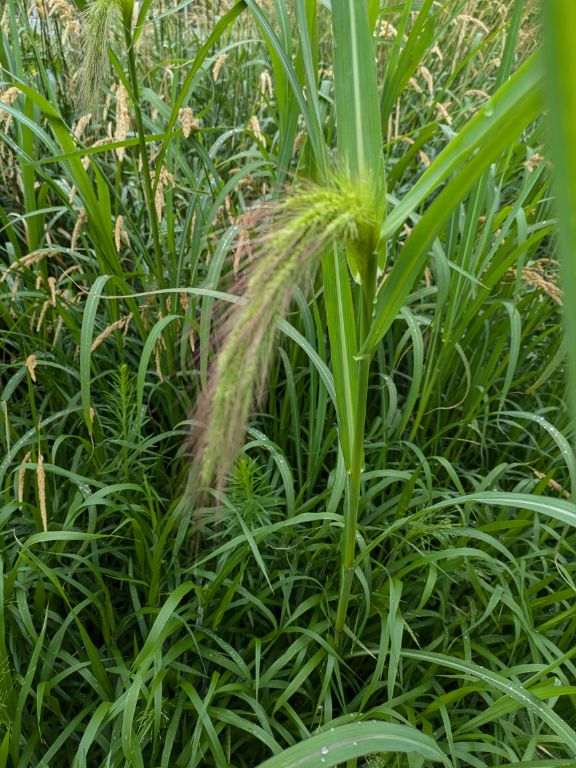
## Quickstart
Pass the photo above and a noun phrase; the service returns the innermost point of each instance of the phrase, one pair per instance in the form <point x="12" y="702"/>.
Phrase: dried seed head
<point x="52" y="287"/>
<point x="218" y="66"/>
<point x="265" y="85"/>
<point x="26" y="261"/>
<point x="122" y="119"/>
<point x="256" y="130"/>
<point x="553" y="484"/>
<point x="8" y="98"/>
<point x="427" y="77"/>
<point x="413" y="83"/>
<point x="42" y="315"/>
<point x="437" y="52"/>
<point x="539" y="279"/>
<point x="108" y="331"/>
<point x="188" y="121"/>
<point x="31" y="362"/>
<point x="81" y="125"/>
<point x="185" y="302"/>
<point x="127" y="322"/>
<point x="39" y="9"/>
<point x="424" y="159"/>
<point x="21" y="477"/>
<point x="467" y="19"/>
<point x="540" y="276"/>
<point x="533" y="162"/>
<point x="41" y="478"/>
<point x="164" y="180"/>
<point x="57" y="331"/>
<point x="120" y="233"/>
<point x="62" y="9"/>
<point x="158" y="362"/>
<point x="80" y="221"/>
<point x="443" y="112"/>
<point x="387" y="30"/>
<point x="67" y="15"/>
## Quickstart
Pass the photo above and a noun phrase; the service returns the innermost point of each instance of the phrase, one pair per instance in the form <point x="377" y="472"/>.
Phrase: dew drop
<point x="488" y="109"/>
<point x="324" y="751"/>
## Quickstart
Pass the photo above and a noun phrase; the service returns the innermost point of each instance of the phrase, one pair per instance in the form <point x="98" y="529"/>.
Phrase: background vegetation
<point x="140" y="627"/>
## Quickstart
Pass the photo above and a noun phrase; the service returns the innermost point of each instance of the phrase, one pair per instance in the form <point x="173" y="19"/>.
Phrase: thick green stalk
<point x="560" y="18"/>
<point x="367" y="294"/>
<point x="360" y="154"/>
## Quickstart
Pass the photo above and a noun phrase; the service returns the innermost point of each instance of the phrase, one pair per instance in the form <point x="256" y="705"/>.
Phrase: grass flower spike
<point x="295" y="235"/>
<point x="97" y="24"/>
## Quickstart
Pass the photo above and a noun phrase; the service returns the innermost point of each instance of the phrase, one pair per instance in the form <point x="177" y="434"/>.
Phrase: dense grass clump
<point x="286" y="466"/>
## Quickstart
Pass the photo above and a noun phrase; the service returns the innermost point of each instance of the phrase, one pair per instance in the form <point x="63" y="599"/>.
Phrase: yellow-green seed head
<point x="296" y="234"/>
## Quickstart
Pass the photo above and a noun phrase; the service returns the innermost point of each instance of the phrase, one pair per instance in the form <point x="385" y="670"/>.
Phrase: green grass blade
<point x="86" y="338"/>
<point x="501" y="683"/>
<point x="560" y="22"/>
<point x="153" y="337"/>
<point x="558" y="509"/>
<point x="356" y="93"/>
<point x="347" y="742"/>
<point x="342" y="330"/>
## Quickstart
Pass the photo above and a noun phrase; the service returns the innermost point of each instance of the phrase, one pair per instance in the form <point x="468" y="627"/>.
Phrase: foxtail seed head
<point x="97" y="24"/>
<point x="295" y="234"/>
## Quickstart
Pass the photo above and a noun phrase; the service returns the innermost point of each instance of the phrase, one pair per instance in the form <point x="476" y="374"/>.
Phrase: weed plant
<point x="319" y="238"/>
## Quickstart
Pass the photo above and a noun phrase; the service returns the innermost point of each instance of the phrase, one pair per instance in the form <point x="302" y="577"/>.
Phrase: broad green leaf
<point x="356" y="92"/>
<point x="358" y="116"/>
<point x="560" y="23"/>
<point x="347" y="742"/>
<point x="343" y="345"/>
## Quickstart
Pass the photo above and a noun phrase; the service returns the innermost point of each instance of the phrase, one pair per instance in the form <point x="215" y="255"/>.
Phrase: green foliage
<point x="407" y="467"/>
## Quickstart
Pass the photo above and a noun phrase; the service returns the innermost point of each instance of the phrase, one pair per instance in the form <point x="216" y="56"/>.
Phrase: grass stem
<point x="148" y="189"/>
<point x="353" y="485"/>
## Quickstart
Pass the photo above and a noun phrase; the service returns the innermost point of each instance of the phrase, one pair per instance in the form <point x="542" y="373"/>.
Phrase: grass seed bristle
<point x="41" y="479"/>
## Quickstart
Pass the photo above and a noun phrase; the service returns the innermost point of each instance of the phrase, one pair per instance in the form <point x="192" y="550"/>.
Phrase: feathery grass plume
<point x="291" y="240"/>
<point x="97" y="24"/>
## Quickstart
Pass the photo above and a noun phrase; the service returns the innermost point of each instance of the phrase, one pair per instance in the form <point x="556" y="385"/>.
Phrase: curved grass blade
<point x="564" y="511"/>
<point x="504" y="113"/>
<point x="86" y="343"/>
<point x="510" y="687"/>
<point x="353" y="740"/>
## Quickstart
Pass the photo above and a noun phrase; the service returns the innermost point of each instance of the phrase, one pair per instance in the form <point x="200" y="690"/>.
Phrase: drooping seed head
<point x="97" y="22"/>
<point x="290" y="243"/>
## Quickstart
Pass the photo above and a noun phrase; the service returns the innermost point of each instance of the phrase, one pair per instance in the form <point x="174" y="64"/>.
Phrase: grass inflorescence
<point x="289" y="245"/>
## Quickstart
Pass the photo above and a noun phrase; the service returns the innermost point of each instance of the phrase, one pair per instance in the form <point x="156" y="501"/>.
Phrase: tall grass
<point x="320" y="240"/>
